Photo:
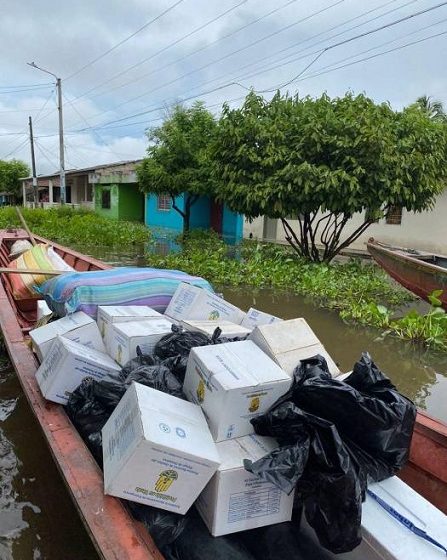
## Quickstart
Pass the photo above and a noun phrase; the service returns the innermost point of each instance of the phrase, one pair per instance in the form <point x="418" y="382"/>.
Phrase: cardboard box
<point x="229" y="329"/>
<point x="111" y="314"/>
<point x="254" y="318"/>
<point x="233" y="382"/>
<point x="67" y="364"/>
<point x="288" y="342"/>
<point x="236" y="500"/>
<point x="125" y="337"/>
<point x="190" y="302"/>
<point x="78" y="327"/>
<point x="42" y="309"/>
<point x="157" y="450"/>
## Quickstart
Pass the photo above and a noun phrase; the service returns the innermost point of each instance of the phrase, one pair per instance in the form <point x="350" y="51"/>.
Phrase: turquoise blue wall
<point x="200" y="213"/>
<point x="232" y="226"/>
<point x="232" y="223"/>
<point x="162" y="218"/>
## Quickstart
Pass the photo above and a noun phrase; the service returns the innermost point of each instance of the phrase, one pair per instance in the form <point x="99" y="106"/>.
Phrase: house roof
<point x="85" y="169"/>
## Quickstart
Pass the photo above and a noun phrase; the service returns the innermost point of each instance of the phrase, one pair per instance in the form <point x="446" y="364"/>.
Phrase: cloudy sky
<point x="162" y="52"/>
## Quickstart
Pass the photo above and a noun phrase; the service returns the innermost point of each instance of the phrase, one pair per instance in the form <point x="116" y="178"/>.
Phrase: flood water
<point x="37" y="518"/>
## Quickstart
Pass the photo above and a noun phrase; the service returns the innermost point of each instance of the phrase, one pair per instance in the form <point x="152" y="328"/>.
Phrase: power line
<point x="366" y="33"/>
<point x="338" y="67"/>
<point x="322" y="51"/>
<point x="170" y="45"/>
<point x="24" y="90"/>
<point x="147" y="24"/>
<point x="317" y="53"/>
<point x="400" y="47"/>
<point x="204" y="47"/>
<point x="265" y="66"/>
<point x="26" y="85"/>
<point x="43" y="152"/>
<point x="213" y="62"/>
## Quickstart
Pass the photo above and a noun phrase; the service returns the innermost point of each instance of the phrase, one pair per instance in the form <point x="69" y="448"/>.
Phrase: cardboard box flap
<point x="284" y="335"/>
<point x="112" y="311"/>
<point x="232" y="452"/>
<point x="143" y="328"/>
<point x="88" y="353"/>
<point x="208" y="327"/>
<point x="173" y="422"/>
<point x="234" y="365"/>
<point x="61" y="326"/>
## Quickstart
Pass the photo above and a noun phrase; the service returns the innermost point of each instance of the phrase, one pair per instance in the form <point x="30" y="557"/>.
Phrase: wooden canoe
<point x="419" y="272"/>
<point x="114" y="533"/>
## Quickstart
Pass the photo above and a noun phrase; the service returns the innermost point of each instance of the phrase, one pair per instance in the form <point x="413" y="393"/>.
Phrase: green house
<point x="116" y="194"/>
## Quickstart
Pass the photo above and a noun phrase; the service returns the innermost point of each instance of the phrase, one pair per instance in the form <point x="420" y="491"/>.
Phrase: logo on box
<point x="165" y="480"/>
<point x="214" y="315"/>
<point x="201" y="391"/>
<point x="254" y="404"/>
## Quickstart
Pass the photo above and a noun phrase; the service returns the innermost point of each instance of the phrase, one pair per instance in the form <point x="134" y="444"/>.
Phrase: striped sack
<point x="84" y="291"/>
<point x="42" y="257"/>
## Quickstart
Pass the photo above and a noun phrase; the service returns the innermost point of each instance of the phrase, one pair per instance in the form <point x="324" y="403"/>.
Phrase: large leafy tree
<point x="10" y="174"/>
<point x="178" y="158"/>
<point x="433" y="108"/>
<point x="320" y="161"/>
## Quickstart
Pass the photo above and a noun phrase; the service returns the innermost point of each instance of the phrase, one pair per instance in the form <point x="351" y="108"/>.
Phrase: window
<point x="163" y="202"/>
<point x="105" y="199"/>
<point x="394" y="215"/>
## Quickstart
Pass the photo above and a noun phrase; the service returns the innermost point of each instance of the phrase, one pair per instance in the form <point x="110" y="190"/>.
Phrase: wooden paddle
<point x="25" y="226"/>
<point x="32" y="271"/>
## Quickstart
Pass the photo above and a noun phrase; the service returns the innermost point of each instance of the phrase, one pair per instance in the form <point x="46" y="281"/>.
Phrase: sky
<point x="124" y="64"/>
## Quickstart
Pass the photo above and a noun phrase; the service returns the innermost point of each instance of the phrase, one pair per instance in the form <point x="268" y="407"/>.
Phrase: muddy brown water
<point x="38" y="520"/>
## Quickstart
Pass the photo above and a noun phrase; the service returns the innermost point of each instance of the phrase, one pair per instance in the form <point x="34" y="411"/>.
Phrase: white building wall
<point x="426" y="231"/>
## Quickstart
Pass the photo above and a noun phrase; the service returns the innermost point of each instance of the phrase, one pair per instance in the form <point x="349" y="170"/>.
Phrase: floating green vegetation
<point x="361" y="291"/>
<point x="81" y="226"/>
<point x="266" y="265"/>
<point x="427" y="328"/>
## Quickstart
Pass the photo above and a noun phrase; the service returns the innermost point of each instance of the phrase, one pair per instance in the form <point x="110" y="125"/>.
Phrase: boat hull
<point x="416" y="274"/>
<point x="115" y="534"/>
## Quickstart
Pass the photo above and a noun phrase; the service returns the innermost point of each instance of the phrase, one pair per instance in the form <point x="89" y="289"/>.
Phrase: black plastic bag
<point x="196" y="543"/>
<point x="158" y="377"/>
<point x="134" y="363"/>
<point x="366" y="408"/>
<point x="163" y="526"/>
<point x="314" y="459"/>
<point x="335" y="437"/>
<point x="179" y="343"/>
<point x="282" y="541"/>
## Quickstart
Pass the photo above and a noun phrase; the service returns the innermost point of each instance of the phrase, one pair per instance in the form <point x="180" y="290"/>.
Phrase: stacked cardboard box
<point x="288" y="342"/>
<point x="78" y="327"/>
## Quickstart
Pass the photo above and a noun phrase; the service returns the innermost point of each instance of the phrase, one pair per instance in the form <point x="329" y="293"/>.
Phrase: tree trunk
<point x="321" y="245"/>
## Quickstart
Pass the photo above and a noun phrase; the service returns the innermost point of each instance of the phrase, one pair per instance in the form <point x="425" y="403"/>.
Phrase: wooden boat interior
<point x="26" y="309"/>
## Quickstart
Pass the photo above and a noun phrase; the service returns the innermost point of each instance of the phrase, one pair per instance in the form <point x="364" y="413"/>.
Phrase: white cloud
<point x="63" y="37"/>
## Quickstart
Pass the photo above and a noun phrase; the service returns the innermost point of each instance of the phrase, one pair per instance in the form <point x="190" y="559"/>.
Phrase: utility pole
<point x="61" y="131"/>
<point x="33" y="161"/>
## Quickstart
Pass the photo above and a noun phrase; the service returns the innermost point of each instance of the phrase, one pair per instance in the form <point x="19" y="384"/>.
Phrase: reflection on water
<point x="37" y="518"/>
<point x="38" y="521"/>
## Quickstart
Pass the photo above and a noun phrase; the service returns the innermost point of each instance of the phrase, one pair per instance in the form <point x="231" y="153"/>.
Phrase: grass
<point x="67" y="225"/>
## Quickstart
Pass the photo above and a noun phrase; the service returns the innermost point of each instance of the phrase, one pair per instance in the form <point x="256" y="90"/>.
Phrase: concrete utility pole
<point x="61" y="130"/>
<point x="33" y="162"/>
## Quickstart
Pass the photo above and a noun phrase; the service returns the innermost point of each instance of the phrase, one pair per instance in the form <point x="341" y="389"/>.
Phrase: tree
<point x="434" y="109"/>
<point x="10" y="174"/>
<point x="320" y="161"/>
<point x="179" y="159"/>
